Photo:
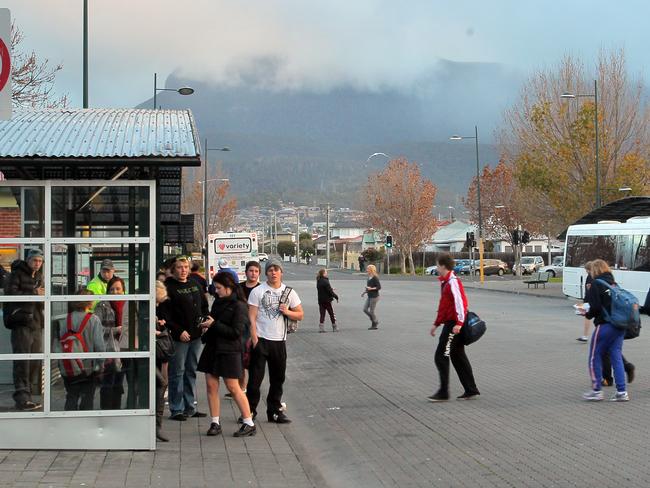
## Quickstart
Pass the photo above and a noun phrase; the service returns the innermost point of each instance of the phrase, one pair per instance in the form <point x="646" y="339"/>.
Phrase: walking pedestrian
<point x="268" y="305"/>
<point x="188" y="311"/>
<point x="606" y="338"/>
<point x="362" y="261"/>
<point x="452" y="310"/>
<point x="372" y="290"/>
<point x="222" y="355"/>
<point x="326" y="295"/>
<point x="25" y="319"/>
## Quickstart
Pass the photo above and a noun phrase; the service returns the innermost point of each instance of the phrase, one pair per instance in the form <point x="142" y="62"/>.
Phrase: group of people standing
<point x="245" y="327"/>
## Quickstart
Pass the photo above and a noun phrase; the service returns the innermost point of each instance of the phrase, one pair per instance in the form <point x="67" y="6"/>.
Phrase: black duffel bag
<point x="473" y="328"/>
<point x="164" y="347"/>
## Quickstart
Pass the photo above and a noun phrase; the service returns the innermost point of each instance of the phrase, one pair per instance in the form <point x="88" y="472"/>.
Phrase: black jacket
<point x="598" y="297"/>
<point x="230" y="319"/>
<point x="325" y="292"/>
<point x="187" y="306"/>
<point x="373" y="283"/>
<point x="21" y="282"/>
<point x="646" y="306"/>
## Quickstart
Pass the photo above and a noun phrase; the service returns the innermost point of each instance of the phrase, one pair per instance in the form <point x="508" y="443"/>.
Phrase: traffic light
<point x="515" y="237"/>
<point x="470" y="241"/>
<point x="525" y="238"/>
<point x="389" y="241"/>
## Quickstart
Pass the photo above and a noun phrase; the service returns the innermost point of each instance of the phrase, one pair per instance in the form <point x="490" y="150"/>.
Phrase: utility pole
<point x="327" y="238"/>
<point x="297" y="237"/>
<point x="274" y="242"/>
<point x="85" y="56"/>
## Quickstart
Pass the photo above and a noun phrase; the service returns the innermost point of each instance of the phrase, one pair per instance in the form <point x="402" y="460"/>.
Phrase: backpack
<point x="624" y="310"/>
<point x="290" y="325"/>
<point x="74" y="342"/>
<point x="473" y="328"/>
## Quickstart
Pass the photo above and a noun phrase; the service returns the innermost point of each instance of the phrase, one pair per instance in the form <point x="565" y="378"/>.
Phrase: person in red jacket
<point x="452" y="311"/>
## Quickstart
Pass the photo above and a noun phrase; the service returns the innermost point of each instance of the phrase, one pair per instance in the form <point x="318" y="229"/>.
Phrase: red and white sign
<point x="5" y="67"/>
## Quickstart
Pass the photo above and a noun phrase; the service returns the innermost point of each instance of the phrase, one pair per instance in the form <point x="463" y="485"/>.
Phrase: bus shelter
<point x="80" y="189"/>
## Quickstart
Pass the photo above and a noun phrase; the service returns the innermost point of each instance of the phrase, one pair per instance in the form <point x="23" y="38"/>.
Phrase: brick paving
<point x="361" y="419"/>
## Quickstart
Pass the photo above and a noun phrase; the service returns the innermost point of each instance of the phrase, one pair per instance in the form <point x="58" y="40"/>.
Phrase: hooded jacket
<point x="453" y="302"/>
<point x="598" y="297"/>
<point x="21" y="282"/>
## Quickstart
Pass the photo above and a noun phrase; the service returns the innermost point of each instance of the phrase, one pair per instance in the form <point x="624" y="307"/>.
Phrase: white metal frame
<point x="46" y="242"/>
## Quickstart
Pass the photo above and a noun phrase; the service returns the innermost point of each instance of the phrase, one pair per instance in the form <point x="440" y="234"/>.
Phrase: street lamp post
<point x="205" y="197"/>
<point x="85" y="55"/>
<point x="595" y="97"/>
<point x="183" y="90"/>
<point x="478" y="197"/>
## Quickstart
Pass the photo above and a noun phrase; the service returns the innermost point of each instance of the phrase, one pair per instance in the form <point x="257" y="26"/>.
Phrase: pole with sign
<point x="5" y="59"/>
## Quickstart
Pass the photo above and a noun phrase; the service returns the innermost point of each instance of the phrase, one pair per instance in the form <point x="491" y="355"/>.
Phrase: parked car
<point x="262" y="256"/>
<point x="462" y="266"/>
<point x="555" y="268"/>
<point x="492" y="267"/>
<point x="531" y="264"/>
<point x="431" y="270"/>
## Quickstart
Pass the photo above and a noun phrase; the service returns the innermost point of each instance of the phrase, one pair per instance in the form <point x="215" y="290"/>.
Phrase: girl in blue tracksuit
<point x="606" y="338"/>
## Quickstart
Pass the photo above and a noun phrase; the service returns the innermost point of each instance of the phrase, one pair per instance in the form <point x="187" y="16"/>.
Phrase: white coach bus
<point x="625" y="247"/>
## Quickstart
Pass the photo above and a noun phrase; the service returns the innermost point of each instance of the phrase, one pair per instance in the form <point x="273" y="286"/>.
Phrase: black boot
<point x="160" y="435"/>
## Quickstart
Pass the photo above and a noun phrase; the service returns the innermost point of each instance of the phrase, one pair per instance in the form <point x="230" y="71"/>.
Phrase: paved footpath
<point x="360" y="416"/>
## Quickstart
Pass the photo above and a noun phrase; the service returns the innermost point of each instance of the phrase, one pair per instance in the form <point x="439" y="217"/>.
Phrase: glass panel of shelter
<point x="113" y="211"/>
<point x="77" y="265"/>
<point x="21" y="385"/>
<point x="22" y="211"/>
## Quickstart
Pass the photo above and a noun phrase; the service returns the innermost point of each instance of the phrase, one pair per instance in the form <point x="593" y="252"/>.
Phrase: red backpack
<point x="72" y="342"/>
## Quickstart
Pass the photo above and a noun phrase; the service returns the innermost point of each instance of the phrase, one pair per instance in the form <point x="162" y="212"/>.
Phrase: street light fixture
<point x="595" y="97"/>
<point x="478" y="195"/>
<point x="183" y="90"/>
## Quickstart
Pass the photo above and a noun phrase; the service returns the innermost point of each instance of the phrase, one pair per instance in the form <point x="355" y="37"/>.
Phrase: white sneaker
<point x="593" y="396"/>
<point x="620" y="396"/>
<point x="283" y="407"/>
<point x="582" y="339"/>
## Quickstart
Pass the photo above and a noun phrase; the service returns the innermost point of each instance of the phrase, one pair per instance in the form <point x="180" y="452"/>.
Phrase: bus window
<point x="581" y="249"/>
<point x="641" y="252"/>
<point x="624" y="252"/>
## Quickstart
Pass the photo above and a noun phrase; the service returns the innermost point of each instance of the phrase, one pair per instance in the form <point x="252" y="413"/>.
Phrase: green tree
<point x="286" y="248"/>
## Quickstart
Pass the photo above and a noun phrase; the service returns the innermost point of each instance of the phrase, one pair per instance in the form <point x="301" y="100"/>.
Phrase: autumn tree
<point x="221" y="205"/>
<point x="32" y="77"/>
<point x="551" y="140"/>
<point x="399" y="200"/>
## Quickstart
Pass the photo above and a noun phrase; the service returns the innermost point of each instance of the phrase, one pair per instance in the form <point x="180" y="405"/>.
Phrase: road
<point x="358" y="397"/>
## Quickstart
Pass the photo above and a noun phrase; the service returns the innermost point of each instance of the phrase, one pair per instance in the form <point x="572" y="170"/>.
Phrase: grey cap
<point x="107" y="264"/>
<point x="34" y="253"/>
<point x="273" y="262"/>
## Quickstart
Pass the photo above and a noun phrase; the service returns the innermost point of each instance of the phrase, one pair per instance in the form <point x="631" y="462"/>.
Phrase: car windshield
<point x="527" y="260"/>
<point x="557" y="261"/>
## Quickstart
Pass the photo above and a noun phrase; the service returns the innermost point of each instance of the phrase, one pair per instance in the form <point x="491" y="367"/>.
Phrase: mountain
<point x="311" y="146"/>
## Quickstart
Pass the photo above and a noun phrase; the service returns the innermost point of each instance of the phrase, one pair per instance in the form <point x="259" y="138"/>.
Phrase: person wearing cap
<point x="25" y="319"/>
<point x="269" y="335"/>
<point x="99" y="284"/>
<point x="224" y="268"/>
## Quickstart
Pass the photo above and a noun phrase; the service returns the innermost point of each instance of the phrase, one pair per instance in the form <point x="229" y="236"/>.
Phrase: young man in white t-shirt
<point x="269" y="335"/>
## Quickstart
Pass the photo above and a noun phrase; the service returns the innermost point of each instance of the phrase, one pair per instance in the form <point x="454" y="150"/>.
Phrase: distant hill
<point x="311" y="147"/>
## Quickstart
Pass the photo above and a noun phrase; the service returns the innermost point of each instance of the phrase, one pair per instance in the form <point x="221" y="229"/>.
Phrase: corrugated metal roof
<point x="99" y="133"/>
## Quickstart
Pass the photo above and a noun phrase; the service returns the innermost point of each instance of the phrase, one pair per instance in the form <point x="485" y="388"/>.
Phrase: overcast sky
<point x="316" y="44"/>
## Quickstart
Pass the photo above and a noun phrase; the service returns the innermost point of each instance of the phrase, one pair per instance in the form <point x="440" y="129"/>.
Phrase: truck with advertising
<point x="237" y="248"/>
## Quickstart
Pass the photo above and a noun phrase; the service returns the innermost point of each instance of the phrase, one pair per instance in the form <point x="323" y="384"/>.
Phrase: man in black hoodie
<point x="25" y="319"/>
<point x="188" y="309"/>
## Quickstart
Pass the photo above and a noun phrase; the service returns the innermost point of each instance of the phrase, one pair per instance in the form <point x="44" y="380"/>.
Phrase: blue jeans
<point x="182" y="376"/>
<point x="606" y="339"/>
